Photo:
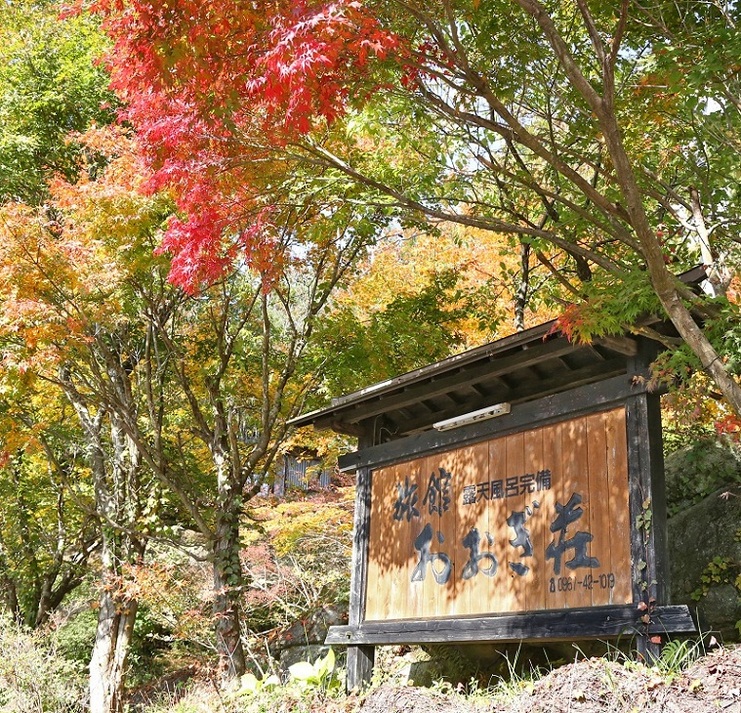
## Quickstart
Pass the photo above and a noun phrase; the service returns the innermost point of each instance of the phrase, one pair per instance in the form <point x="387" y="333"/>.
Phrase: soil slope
<point x="712" y="683"/>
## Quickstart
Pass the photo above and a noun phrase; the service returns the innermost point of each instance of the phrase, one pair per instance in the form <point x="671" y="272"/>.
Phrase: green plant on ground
<point x="249" y="684"/>
<point x="314" y="687"/>
<point x="74" y="636"/>
<point x="34" y="678"/>
<point x="73" y="640"/>
<point x="677" y="655"/>
<point x="321" y="674"/>
<point x="199" y="698"/>
<point x="517" y="677"/>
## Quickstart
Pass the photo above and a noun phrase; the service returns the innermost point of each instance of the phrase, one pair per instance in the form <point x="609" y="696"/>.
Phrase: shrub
<point x="298" y="563"/>
<point x="34" y="677"/>
<point x="74" y="637"/>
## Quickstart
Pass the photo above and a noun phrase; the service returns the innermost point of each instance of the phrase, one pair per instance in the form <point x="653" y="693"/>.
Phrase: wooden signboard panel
<point x="532" y="521"/>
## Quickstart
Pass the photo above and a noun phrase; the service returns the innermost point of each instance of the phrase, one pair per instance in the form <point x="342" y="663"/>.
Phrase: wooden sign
<point x="536" y="520"/>
<point x="543" y="524"/>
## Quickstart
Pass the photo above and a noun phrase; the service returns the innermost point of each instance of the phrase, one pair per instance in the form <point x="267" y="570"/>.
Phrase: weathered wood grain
<point x="566" y="625"/>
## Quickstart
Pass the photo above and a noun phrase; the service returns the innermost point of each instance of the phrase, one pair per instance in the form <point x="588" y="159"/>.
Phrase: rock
<point x="711" y="529"/>
<point x="304" y="639"/>
<point x="321" y="620"/>
<point x="694" y="472"/>
<point x="309" y="631"/>
<point x="293" y="655"/>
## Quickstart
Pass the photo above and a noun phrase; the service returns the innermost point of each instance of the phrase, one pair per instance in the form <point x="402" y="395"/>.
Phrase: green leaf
<point x="249" y="683"/>
<point x="302" y="671"/>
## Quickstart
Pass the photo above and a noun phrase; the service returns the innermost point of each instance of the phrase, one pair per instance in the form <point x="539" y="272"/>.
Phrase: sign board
<point x="544" y="524"/>
<point x="531" y="521"/>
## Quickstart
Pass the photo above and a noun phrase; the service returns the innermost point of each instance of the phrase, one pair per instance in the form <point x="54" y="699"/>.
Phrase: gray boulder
<point x="705" y="539"/>
<point x="695" y="472"/>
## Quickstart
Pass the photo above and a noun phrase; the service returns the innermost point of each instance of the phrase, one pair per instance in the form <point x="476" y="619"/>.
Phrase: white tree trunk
<point x="109" y="658"/>
<point x="115" y="478"/>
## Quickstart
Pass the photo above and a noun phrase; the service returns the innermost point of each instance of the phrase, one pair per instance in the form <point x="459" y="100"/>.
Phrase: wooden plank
<point x="618" y="495"/>
<point x="577" y="484"/>
<point x="564" y="625"/>
<point x="378" y="597"/>
<point x="599" y="510"/>
<point x="516" y="584"/>
<point x="361" y="539"/>
<point x="548" y="497"/>
<point x="562" y="492"/>
<point x="501" y="598"/>
<point x="410" y="593"/>
<point x="397" y="552"/>
<point x="466" y="469"/>
<point x="623" y="345"/>
<point x="431" y="589"/>
<point x="550" y="409"/>
<point x="536" y="523"/>
<point x="658" y="495"/>
<point x="360" y="659"/>
<point x="635" y="424"/>
<point x="467" y="466"/>
<point x="413" y="594"/>
<point x="649" y="578"/>
<point x="648" y="542"/>
<point x="376" y="602"/>
<point x="360" y="662"/>
<point x="596" y="519"/>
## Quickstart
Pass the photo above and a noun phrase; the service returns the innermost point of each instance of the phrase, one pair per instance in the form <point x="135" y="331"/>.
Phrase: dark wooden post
<point x="360" y="659"/>
<point x="647" y="505"/>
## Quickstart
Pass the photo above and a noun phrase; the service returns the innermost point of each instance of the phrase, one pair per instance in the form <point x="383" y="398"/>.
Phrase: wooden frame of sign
<point x="545" y="524"/>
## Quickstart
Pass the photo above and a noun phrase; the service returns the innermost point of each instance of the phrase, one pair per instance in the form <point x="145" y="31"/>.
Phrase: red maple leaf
<point x="213" y="89"/>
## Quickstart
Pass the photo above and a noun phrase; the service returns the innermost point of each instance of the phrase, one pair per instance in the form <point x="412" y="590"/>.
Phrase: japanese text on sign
<point x="437" y="500"/>
<point x="507" y="487"/>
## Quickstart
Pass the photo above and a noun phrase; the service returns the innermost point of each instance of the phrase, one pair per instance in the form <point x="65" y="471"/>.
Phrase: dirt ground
<point x="712" y="683"/>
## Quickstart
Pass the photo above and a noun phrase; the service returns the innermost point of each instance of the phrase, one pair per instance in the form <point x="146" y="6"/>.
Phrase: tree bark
<point x="9" y="590"/>
<point x="108" y="663"/>
<point x="115" y="479"/>
<point x="228" y="576"/>
<point x="227" y="620"/>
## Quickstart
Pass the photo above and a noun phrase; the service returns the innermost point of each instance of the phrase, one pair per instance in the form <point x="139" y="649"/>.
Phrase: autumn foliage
<point x="59" y="266"/>
<point x="214" y="89"/>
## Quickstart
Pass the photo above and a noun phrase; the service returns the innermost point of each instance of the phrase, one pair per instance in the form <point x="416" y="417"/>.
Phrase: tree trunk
<point x="109" y="659"/>
<point x="116" y="485"/>
<point x="9" y="592"/>
<point x="719" y="276"/>
<point x="228" y="581"/>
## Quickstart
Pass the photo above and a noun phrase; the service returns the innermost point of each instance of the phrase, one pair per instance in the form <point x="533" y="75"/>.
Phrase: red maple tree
<point x="214" y="90"/>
